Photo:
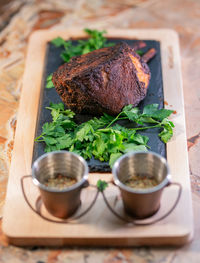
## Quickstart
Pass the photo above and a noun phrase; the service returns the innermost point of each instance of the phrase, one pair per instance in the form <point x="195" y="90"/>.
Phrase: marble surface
<point x="18" y="20"/>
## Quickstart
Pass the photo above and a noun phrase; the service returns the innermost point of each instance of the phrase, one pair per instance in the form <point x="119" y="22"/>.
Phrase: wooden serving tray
<point x="99" y="227"/>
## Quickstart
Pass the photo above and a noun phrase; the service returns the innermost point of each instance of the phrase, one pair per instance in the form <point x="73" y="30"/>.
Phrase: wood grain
<point x="99" y="227"/>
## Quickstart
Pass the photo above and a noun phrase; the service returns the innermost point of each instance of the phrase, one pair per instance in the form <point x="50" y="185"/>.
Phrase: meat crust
<point x="103" y="80"/>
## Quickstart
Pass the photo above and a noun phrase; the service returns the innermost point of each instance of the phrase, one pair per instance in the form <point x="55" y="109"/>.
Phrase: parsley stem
<point x="147" y="127"/>
<point x="114" y="120"/>
<point x="36" y="139"/>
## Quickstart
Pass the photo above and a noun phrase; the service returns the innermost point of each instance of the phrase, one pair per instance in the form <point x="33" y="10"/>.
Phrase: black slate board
<point x="154" y="95"/>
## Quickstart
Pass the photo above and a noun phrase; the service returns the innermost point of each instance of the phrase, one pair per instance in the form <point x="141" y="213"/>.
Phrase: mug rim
<point x="64" y="190"/>
<point x="149" y="190"/>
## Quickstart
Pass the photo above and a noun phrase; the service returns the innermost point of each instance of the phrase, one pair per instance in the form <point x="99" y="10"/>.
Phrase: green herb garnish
<point x="101" y="185"/>
<point x="95" y="41"/>
<point x="102" y="137"/>
<point x="49" y="83"/>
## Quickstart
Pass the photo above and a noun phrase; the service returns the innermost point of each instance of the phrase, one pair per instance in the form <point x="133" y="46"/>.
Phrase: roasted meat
<point x="104" y="80"/>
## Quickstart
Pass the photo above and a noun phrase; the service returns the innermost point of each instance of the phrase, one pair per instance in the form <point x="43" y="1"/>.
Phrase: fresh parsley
<point x="103" y="138"/>
<point x="95" y="41"/>
<point x="49" y="83"/>
<point x="101" y="185"/>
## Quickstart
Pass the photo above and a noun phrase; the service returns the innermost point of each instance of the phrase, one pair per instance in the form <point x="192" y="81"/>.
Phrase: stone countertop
<point x="18" y="20"/>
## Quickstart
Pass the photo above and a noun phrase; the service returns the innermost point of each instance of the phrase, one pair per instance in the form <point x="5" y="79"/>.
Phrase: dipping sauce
<point x="141" y="181"/>
<point x="60" y="181"/>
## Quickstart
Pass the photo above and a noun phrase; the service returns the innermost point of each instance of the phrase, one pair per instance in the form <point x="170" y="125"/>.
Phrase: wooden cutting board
<point x="99" y="227"/>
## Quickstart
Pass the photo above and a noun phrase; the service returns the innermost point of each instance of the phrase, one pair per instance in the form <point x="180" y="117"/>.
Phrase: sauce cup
<point x="141" y="202"/>
<point x="61" y="203"/>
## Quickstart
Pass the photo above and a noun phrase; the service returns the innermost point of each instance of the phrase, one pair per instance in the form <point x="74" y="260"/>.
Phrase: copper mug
<point x="142" y="203"/>
<point x="60" y="203"/>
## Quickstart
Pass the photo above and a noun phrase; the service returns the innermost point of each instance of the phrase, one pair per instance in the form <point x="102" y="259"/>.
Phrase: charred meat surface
<point x="104" y="80"/>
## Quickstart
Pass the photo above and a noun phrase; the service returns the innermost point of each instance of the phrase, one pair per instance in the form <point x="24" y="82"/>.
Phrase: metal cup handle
<point x="136" y="222"/>
<point x="69" y="220"/>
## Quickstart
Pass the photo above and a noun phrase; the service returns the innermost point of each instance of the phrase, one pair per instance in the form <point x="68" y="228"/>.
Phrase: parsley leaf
<point x="83" y="131"/>
<point x="49" y="83"/>
<point x="59" y="106"/>
<point x="101" y="185"/>
<point x="153" y="112"/>
<point x="167" y="132"/>
<point x="132" y="147"/>
<point x="150" y="109"/>
<point x="131" y="113"/>
<point x="140" y="139"/>
<point x="58" y="42"/>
